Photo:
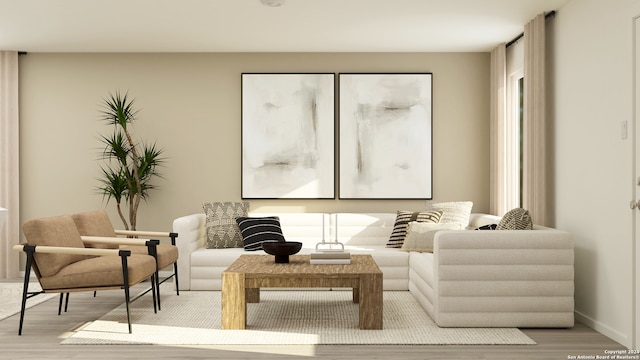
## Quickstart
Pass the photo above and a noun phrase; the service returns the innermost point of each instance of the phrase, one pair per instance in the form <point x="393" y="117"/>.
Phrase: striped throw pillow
<point x="258" y="230"/>
<point x="403" y="218"/>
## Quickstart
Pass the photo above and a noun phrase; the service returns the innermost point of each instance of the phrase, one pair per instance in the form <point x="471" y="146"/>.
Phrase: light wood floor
<point x="44" y="329"/>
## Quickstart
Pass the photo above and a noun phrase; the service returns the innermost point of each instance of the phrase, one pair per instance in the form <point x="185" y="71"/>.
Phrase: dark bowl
<point x="282" y="250"/>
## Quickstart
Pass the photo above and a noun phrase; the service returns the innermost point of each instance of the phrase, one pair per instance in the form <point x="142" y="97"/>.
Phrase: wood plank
<point x="370" y="301"/>
<point x="44" y="330"/>
<point x="234" y="301"/>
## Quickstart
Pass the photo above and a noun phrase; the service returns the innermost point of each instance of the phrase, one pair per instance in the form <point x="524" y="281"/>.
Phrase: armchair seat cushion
<point x="98" y="272"/>
<point x="167" y="254"/>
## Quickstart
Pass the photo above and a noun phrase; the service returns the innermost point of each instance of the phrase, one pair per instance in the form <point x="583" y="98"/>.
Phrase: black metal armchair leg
<point x="60" y="303"/>
<point x="66" y="302"/>
<point x="25" y="288"/>
<point x="157" y="285"/>
<point x="153" y="291"/>
<point x="173" y="237"/>
<point x="125" y="278"/>
<point x="175" y="277"/>
<point x="155" y="279"/>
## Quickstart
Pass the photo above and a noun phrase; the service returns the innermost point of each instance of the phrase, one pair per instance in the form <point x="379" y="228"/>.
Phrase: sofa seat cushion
<point x="393" y="263"/>
<point x="420" y="235"/>
<point x="382" y="255"/>
<point x="204" y="257"/>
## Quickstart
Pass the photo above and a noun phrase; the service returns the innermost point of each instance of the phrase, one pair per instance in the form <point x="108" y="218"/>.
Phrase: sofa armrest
<point x="192" y="237"/>
<point x="521" y="278"/>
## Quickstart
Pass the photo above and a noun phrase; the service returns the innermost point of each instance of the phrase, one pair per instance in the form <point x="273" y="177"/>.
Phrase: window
<point x="514" y="127"/>
<point x="520" y="140"/>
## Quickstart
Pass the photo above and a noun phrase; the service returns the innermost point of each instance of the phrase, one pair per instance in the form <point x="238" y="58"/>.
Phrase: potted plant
<point x="129" y="165"/>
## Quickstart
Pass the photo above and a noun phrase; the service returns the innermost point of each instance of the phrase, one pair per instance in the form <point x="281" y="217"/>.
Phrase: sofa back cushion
<point x="358" y="229"/>
<point x="477" y="220"/>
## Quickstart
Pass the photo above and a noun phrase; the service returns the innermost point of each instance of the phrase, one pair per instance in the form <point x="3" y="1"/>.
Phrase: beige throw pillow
<point x="222" y="229"/>
<point x="402" y="220"/>
<point x="420" y="235"/>
<point x="454" y="212"/>
<point x="516" y="219"/>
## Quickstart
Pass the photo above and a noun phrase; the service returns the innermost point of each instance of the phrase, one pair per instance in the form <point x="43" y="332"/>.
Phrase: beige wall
<point x="594" y="178"/>
<point x="190" y="104"/>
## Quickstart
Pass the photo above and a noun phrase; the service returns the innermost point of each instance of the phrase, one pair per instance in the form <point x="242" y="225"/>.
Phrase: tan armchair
<point x="62" y="263"/>
<point x="94" y="224"/>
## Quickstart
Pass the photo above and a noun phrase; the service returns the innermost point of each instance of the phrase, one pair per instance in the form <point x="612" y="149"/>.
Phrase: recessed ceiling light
<point x="272" y="3"/>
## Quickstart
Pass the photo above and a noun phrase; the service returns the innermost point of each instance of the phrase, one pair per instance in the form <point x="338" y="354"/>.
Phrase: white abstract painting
<point x="288" y="136"/>
<point x="385" y="136"/>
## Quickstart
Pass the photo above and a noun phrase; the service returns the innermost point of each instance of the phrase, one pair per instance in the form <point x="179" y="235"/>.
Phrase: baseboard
<point x="603" y="329"/>
<point x="31" y="276"/>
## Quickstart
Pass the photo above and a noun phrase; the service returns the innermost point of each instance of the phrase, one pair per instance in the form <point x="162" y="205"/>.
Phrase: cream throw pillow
<point x="420" y="235"/>
<point x="454" y="212"/>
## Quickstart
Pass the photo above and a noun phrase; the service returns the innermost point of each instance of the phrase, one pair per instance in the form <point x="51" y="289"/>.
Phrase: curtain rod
<point x="546" y="16"/>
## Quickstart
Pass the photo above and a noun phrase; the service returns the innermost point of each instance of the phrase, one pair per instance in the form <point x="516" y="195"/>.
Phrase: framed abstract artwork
<point x="288" y="128"/>
<point x="385" y="136"/>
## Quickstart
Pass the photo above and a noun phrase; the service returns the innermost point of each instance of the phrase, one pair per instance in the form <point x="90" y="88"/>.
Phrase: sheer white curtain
<point x="535" y="167"/>
<point x="497" y="98"/>
<point x="9" y="181"/>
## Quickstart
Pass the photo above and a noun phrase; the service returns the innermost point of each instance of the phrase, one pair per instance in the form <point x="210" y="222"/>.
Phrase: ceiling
<point x="249" y="26"/>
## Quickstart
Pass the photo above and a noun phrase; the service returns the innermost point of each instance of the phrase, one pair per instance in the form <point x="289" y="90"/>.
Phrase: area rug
<point x="281" y="318"/>
<point x="11" y="298"/>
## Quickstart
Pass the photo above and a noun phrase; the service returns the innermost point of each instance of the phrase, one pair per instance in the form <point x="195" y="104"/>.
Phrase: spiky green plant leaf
<point x="129" y="166"/>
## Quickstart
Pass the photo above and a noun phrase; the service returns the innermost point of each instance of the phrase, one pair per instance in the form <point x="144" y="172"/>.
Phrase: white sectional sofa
<point x="500" y="278"/>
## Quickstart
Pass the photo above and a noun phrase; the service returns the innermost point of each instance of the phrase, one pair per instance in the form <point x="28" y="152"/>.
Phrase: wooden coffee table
<point x="242" y="280"/>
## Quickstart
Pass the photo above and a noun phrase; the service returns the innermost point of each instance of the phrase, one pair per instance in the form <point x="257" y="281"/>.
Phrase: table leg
<point x="253" y="295"/>
<point x="234" y="301"/>
<point x="371" y="301"/>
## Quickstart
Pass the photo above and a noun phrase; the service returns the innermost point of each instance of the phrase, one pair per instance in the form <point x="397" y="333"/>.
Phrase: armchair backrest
<point x="53" y="231"/>
<point x="95" y="223"/>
